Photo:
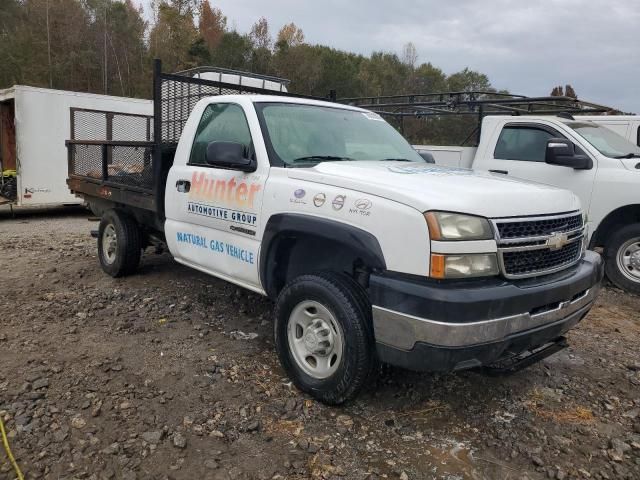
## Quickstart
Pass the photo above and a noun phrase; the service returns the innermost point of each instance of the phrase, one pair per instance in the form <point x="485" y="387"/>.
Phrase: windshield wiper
<point x="320" y="158"/>
<point x="629" y="155"/>
<point x="396" y="160"/>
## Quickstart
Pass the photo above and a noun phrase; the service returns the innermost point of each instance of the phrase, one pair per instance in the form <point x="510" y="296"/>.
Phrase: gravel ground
<point x="171" y="374"/>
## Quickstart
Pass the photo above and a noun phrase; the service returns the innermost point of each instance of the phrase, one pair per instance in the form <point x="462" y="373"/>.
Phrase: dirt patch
<point x="149" y="377"/>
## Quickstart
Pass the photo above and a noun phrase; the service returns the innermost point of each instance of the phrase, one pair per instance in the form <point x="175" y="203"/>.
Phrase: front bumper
<point x="441" y="326"/>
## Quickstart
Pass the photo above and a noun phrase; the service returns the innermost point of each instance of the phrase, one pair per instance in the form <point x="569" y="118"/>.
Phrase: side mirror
<point x="562" y="152"/>
<point x="426" y="156"/>
<point x="229" y="155"/>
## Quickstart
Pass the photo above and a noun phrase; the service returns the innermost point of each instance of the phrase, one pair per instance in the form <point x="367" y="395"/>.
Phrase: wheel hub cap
<point x="311" y="342"/>
<point x="109" y="243"/>
<point x="315" y="339"/>
<point x="628" y="259"/>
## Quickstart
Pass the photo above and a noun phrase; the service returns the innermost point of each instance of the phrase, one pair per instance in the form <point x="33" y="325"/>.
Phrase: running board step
<point x="523" y="360"/>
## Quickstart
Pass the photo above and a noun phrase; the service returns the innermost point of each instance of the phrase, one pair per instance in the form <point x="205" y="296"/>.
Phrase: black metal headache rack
<point x="131" y="154"/>
<point x="176" y="94"/>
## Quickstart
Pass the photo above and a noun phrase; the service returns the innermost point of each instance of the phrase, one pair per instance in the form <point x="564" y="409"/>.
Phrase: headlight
<point x="464" y="266"/>
<point x="456" y="226"/>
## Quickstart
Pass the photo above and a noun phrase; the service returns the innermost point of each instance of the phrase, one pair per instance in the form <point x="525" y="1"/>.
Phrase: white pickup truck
<point x="369" y="253"/>
<point x="599" y="166"/>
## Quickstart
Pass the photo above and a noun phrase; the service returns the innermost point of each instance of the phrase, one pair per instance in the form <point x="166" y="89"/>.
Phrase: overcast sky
<point x="526" y="47"/>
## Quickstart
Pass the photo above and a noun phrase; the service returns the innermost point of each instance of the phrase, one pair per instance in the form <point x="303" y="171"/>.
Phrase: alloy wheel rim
<point x="316" y="340"/>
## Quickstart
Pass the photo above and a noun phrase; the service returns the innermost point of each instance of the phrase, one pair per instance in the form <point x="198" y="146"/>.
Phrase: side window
<point x="638" y="136"/>
<point x="220" y="122"/>
<point x="522" y="143"/>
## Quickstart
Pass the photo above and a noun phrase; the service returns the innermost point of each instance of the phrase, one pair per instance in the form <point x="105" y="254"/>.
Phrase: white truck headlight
<point x="464" y="265"/>
<point x="456" y="226"/>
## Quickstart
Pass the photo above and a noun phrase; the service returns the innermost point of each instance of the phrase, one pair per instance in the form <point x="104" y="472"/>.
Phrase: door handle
<point x="503" y="172"/>
<point x="183" y="186"/>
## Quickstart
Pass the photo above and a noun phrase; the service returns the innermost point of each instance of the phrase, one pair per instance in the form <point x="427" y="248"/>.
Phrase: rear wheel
<point x="323" y="336"/>
<point x="622" y="255"/>
<point x="119" y="243"/>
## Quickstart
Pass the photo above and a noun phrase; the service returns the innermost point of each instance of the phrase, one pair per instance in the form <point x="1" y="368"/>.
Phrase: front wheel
<point x="323" y="335"/>
<point x="622" y="255"/>
<point x="119" y="243"/>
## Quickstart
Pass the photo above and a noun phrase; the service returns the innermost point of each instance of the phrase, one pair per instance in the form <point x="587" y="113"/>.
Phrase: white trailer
<point x="34" y="124"/>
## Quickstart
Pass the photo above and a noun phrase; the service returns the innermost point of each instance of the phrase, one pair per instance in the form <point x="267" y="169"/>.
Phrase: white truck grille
<point x="533" y="246"/>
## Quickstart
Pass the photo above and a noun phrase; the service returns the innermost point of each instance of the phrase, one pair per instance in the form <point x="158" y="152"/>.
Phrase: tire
<point x="339" y="316"/>
<point x="119" y="256"/>
<point x="622" y="258"/>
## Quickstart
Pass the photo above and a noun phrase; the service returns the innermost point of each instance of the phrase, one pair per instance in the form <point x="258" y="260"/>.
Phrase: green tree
<point x="261" y="41"/>
<point x="173" y="34"/>
<point x="12" y="20"/>
<point x="428" y="79"/>
<point x="383" y="74"/>
<point x="234" y="51"/>
<point x="468" y="80"/>
<point x="119" y="48"/>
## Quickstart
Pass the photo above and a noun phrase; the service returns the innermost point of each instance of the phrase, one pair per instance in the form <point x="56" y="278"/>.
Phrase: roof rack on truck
<point x="472" y="103"/>
<point x="130" y="165"/>
<point x="478" y="103"/>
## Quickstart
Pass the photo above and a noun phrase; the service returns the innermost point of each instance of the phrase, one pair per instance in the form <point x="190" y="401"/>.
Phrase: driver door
<point x="520" y="153"/>
<point x="213" y="213"/>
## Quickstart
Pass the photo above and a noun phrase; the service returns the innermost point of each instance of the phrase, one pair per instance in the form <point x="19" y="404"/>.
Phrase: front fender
<point x="291" y="226"/>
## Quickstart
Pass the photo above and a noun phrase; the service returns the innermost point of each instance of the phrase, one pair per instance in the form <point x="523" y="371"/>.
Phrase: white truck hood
<point x="426" y="187"/>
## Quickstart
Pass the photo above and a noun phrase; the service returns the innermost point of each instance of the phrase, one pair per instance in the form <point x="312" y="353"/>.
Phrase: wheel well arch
<point x="295" y="244"/>
<point x="619" y="216"/>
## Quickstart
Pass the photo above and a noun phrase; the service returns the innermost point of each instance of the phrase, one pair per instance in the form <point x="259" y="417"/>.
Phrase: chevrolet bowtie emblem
<point x="557" y="240"/>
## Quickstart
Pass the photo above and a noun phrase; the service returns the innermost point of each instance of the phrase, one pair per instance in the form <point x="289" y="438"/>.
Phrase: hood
<point x="431" y="187"/>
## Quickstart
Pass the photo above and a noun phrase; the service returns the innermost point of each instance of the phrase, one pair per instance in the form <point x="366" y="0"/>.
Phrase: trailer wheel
<point x="622" y="258"/>
<point x="119" y="243"/>
<point x="324" y="336"/>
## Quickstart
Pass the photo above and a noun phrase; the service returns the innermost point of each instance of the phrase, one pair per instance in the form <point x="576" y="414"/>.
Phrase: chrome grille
<point x="529" y="247"/>
<point x="540" y="260"/>
<point x="535" y="228"/>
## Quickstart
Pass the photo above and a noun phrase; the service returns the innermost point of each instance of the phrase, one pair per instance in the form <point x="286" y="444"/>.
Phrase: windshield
<point x="606" y="141"/>
<point x="308" y="134"/>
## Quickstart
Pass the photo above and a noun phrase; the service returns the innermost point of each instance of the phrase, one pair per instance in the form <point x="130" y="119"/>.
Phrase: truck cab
<point x="368" y="252"/>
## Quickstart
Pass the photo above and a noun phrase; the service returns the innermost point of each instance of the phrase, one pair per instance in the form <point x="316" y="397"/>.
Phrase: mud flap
<point x="518" y="362"/>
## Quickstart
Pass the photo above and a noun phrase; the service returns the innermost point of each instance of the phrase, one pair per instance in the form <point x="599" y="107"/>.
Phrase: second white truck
<point x="368" y="252"/>
<point x="601" y="167"/>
